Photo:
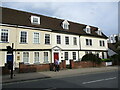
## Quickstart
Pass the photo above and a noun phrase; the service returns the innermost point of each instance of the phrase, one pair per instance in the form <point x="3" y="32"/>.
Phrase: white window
<point x="36" y="57"/>
<point x="23" y="37"/>
<point x="3" y="35"/>
<point x="35" y="20"/>
<point x="74" y="41"/>
<point x="25" y="57"/>
<point x="89" y="42"/>
<point x="102" y="43"/>
<point x="99" y="32"/>
<point x="67" y="40"/>
<point x="47" y="38"/>
<point x="65" y="24"/>
<point x="58" y="39"/>
<point x="45" y="57"/>
<point x="88" y="29"/>
<point x="74" y="55"/>
<point x="36" y="37"/>
<point x="66" y="55"/>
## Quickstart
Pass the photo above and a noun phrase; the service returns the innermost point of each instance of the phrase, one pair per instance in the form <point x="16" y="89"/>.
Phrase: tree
<point x="93" y="58"/>
<point x="116" y="58"/>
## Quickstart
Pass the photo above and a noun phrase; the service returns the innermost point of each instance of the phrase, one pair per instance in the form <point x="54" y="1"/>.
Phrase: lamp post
<point x="10" y="59"/>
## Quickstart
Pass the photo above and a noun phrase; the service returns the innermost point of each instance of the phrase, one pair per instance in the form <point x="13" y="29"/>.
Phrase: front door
<point x="56" y="56"/>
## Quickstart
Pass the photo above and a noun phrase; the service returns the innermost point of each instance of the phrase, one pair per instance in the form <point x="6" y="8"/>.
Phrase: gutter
<point x="19" y="26"/>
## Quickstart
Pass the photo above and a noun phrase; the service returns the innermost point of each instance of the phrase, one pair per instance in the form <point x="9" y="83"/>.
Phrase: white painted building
<point x="40" y="39"/>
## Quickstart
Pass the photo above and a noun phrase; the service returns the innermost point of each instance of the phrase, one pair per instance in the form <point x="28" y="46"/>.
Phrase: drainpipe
<point x="80" y="47"/>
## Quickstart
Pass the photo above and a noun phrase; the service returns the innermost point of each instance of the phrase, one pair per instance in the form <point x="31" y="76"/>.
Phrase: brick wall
<point x="23" y="68"/>
<point x="84" y="64"/>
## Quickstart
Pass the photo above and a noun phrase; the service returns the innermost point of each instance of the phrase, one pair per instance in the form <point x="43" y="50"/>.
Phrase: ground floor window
<point x="66" y="55"/>
<point x="46" y="57"/>
<point x="36" y="57"/>
<point x="74" y="55"/>
<point x="103" y="57"/>
<point x="25" y="57"/>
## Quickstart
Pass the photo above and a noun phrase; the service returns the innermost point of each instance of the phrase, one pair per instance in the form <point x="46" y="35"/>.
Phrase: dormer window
<point x="99" y="32"/>
<point x="65" y="24"/>
<point x="87" y="29"/>
<point x="35" y="20"/>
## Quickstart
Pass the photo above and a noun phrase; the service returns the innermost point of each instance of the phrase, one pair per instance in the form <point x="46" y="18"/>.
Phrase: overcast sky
<point x="99" y="14"/>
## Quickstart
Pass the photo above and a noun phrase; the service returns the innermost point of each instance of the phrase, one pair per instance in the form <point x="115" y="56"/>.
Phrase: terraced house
<point x="40" y="39"/>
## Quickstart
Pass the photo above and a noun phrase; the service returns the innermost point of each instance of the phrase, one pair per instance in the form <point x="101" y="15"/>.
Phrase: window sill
<point x="36" y="43"/>
<point x="46" y="62"/>
<point x="4" y="42"/>
<point x="35" y="23"/>
<point x="26" y="63"/>
<point x="89" y="45"/>
<point x="47" y="44"/>
<point x="23" y="43"/>
<point x="36" y="63"/>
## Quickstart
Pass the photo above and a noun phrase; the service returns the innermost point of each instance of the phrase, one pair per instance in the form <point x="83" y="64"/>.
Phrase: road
<point x="96" y="80"/>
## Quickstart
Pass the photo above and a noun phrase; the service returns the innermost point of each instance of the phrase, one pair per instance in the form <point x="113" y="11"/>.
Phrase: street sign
<point x="9" y="58"/>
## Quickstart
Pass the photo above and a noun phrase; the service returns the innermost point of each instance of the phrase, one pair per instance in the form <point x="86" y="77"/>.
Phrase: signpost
<point x="10" y="59"/>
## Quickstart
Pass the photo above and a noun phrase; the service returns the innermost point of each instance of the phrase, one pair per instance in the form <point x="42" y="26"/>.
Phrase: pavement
<point x="51" y="74"/>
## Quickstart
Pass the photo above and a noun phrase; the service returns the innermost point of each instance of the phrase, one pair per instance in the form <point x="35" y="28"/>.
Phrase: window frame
<point x="74" y="40"/>
<point x="47" y="57"/>
<point x="38" y="57"/>
<point x="74" y="55"/>
<point x="89" y="42"/>
<point x="7" y="36"/>
<point x="66" y="57"/>
<point x="101" y="43"/>
<point x="35" y="17"/>
<point x="27" y="57"/>
<point x="67" y="42"/>
<point x="35" y="38"/>
<point x="58" y="40"/>
<point x="26" y="37"/>
<point x="47" y="39"/>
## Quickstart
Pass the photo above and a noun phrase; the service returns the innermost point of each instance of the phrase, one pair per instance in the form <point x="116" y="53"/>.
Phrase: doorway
<point x="56" y="56"/>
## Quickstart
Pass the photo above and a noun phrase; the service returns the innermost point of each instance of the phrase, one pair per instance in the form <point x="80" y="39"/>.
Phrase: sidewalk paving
<point x="52" y="74"/>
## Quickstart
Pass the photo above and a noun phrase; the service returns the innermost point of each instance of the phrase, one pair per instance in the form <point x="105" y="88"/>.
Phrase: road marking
<point x="99" y="80"/>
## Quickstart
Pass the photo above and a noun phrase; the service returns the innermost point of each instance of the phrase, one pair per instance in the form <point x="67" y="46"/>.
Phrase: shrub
<point x="91" y="57"/>
<point x="106" y="60"/>
<point x="115" y="58"/>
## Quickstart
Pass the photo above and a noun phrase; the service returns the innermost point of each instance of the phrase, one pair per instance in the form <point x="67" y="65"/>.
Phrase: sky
<point x="99" y="14"/>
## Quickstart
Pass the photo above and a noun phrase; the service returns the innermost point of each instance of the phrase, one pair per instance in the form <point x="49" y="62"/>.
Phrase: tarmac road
<point x="96" y="80"/>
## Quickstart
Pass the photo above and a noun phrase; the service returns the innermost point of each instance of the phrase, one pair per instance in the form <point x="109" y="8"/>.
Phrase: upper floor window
<point x="47" y="38"/>
<point x="65" y="24"/>
<point x="89" y="42"/>
<point x="102" y="43"/>
<point x="3" y="35"/>
<point x="36" y="37"/>
<point x="99" y="32"/>
<point x="67" y="40"/>
<point x="58" y="39"/>
<point x="23" y="37"/>
<point x="74" y="41"/>
<point x="35" y="20"/>
<point x="87" y="29"/>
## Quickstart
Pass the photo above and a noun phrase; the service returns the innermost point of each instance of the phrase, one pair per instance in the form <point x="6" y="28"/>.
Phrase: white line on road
<point x="99" y="80"/>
